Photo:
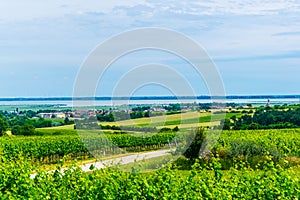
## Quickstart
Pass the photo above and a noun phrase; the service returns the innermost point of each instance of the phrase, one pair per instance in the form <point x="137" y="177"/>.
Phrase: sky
<point x="255" y="44"/>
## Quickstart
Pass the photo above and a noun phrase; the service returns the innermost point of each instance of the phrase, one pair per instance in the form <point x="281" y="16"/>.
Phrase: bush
<point x="25" y="130"/>
<point x="3" y="126"/>
<point x="194" y="142"/>
<point x="175" y="129"/>
<point x="251" y="149"/>
<point x="16" y="130"/>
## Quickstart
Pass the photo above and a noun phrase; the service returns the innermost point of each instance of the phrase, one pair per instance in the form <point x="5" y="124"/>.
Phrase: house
<point x="52" y="115"/>
<point x="45" y="115"/>
<point x="59" y="115"/>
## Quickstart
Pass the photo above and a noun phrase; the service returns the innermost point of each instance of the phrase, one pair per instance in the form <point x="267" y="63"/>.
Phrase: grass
<point x="65" y="127"/>
<point x="48" y="167"/>
<point x="183" y="120"/>
<point x="147" y="165"/>
<point x="54" y="131"/>
<point x="143" y="165"/>
<point x="157" y="119"/>
<point x="188" y="126"/>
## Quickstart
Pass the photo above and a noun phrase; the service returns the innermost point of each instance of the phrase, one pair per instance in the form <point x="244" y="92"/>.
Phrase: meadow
<point x="185" y="120"/>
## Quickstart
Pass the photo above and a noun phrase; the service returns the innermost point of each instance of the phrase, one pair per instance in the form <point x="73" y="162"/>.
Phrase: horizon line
<point x="108" y="98"/>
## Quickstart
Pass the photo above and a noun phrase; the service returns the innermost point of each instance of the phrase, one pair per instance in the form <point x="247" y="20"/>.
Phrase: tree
<point x="253" y="126"/>
<point x="3" y="126"/>
<point x="66" y="121"/>
<point x="26" y="130"/>
<point x="147" y="114"/>
<point x="195" y="141"/>
<point x="233" y="118"/>
<point x="247" y="119"/>
<point x="30" y="114"/>
<point x="175" y="129"/>
<point x="16" y="130"/>
<point x="226" y="124"/>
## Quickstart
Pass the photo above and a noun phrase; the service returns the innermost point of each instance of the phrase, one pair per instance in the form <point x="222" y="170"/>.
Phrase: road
<point x="122" y="161"/>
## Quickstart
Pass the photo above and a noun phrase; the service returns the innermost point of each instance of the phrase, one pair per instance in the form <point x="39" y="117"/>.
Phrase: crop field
<point x="158" y="119"/>
<point x="65" y="127"/>
<point x="247" y="164"/>
<point x="183" y="120"/>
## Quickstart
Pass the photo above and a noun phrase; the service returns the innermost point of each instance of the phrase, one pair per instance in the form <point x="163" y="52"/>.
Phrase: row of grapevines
<point x="274" y="182"/>
<point x="284" y="142"/>
<point x="40" y="147"/>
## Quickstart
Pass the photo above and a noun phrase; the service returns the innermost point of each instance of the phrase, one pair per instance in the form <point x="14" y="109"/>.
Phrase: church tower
<point x="268" y="103"/>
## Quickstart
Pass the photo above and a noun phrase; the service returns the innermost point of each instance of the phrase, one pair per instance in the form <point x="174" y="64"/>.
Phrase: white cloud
<point x="249" y="7"/>
<point x="15" y="10"/>
<point x="228" y="28"/>
<point x="224" y="7"/>
<point x="34" y="9"/>
<point x="55" y="36"/>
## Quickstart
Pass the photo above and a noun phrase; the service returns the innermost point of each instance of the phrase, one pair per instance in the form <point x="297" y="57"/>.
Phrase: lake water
<point x="279" y="101"/>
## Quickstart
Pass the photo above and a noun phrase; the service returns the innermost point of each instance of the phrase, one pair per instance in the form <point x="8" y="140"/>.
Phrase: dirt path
<point x="122" y="161"/>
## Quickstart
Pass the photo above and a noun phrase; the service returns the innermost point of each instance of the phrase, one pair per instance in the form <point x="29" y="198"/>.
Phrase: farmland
<point x="249" y="164"/>
<point x="238" y="171"/>
<point x="183" y="120"/>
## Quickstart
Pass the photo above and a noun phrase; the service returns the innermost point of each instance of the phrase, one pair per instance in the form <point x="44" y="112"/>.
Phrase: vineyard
<point x="208" y="182"/>
<point x="257" y="164"/>
<point x="53" y="148"/>
<point x="282" y="142"/>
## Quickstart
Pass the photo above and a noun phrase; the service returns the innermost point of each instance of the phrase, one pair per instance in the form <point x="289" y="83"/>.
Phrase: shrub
<point x="194" y="142"/>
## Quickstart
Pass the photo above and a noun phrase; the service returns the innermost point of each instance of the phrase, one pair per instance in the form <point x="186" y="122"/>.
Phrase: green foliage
<point x="53" y="144"/>
<point x="175" y="129"/>
<point x="226" y="124"/>
<point x="53" y="148"/>
<point x="256" y="143"/>
<point x="25" y="130"/>
<point x="208" y="182"/>
<point x="106" y="117"/>
<point x="173" y="107"/>
<point x="15" y="182"/>
<point x="86" y="125"/>
<point x="55" y="132"/>
<point x="271" y="177"/>
<point x="16" y="130"/>
<point x="269" y="119"/>
<point x="194" y="142"/>
<point x="36" y="122"/>
<point x="3" y="126"/>
<point x="251" y="149"/>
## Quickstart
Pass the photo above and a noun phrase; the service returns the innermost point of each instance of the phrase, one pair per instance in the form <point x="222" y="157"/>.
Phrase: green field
<point x="183" y="120"/>
<point x="248" y="164"/>
<point x="65" y="127"/>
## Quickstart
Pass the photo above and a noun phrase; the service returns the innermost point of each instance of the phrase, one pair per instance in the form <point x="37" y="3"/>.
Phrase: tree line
<point x="23" y="125"/>
<point x="268" y="118"/>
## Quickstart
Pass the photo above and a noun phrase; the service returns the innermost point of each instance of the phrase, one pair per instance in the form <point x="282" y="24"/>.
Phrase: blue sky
<point x="255" y="44"/>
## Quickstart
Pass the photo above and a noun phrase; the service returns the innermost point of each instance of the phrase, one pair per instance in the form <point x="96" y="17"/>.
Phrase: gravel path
<point x="122" y="161"/>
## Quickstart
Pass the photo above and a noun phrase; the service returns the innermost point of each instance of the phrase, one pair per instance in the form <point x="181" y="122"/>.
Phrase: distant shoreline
<point x="231" y="97"/>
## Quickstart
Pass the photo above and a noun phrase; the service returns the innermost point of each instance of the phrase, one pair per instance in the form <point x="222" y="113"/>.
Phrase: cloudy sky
<point x="255" y="44"/>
